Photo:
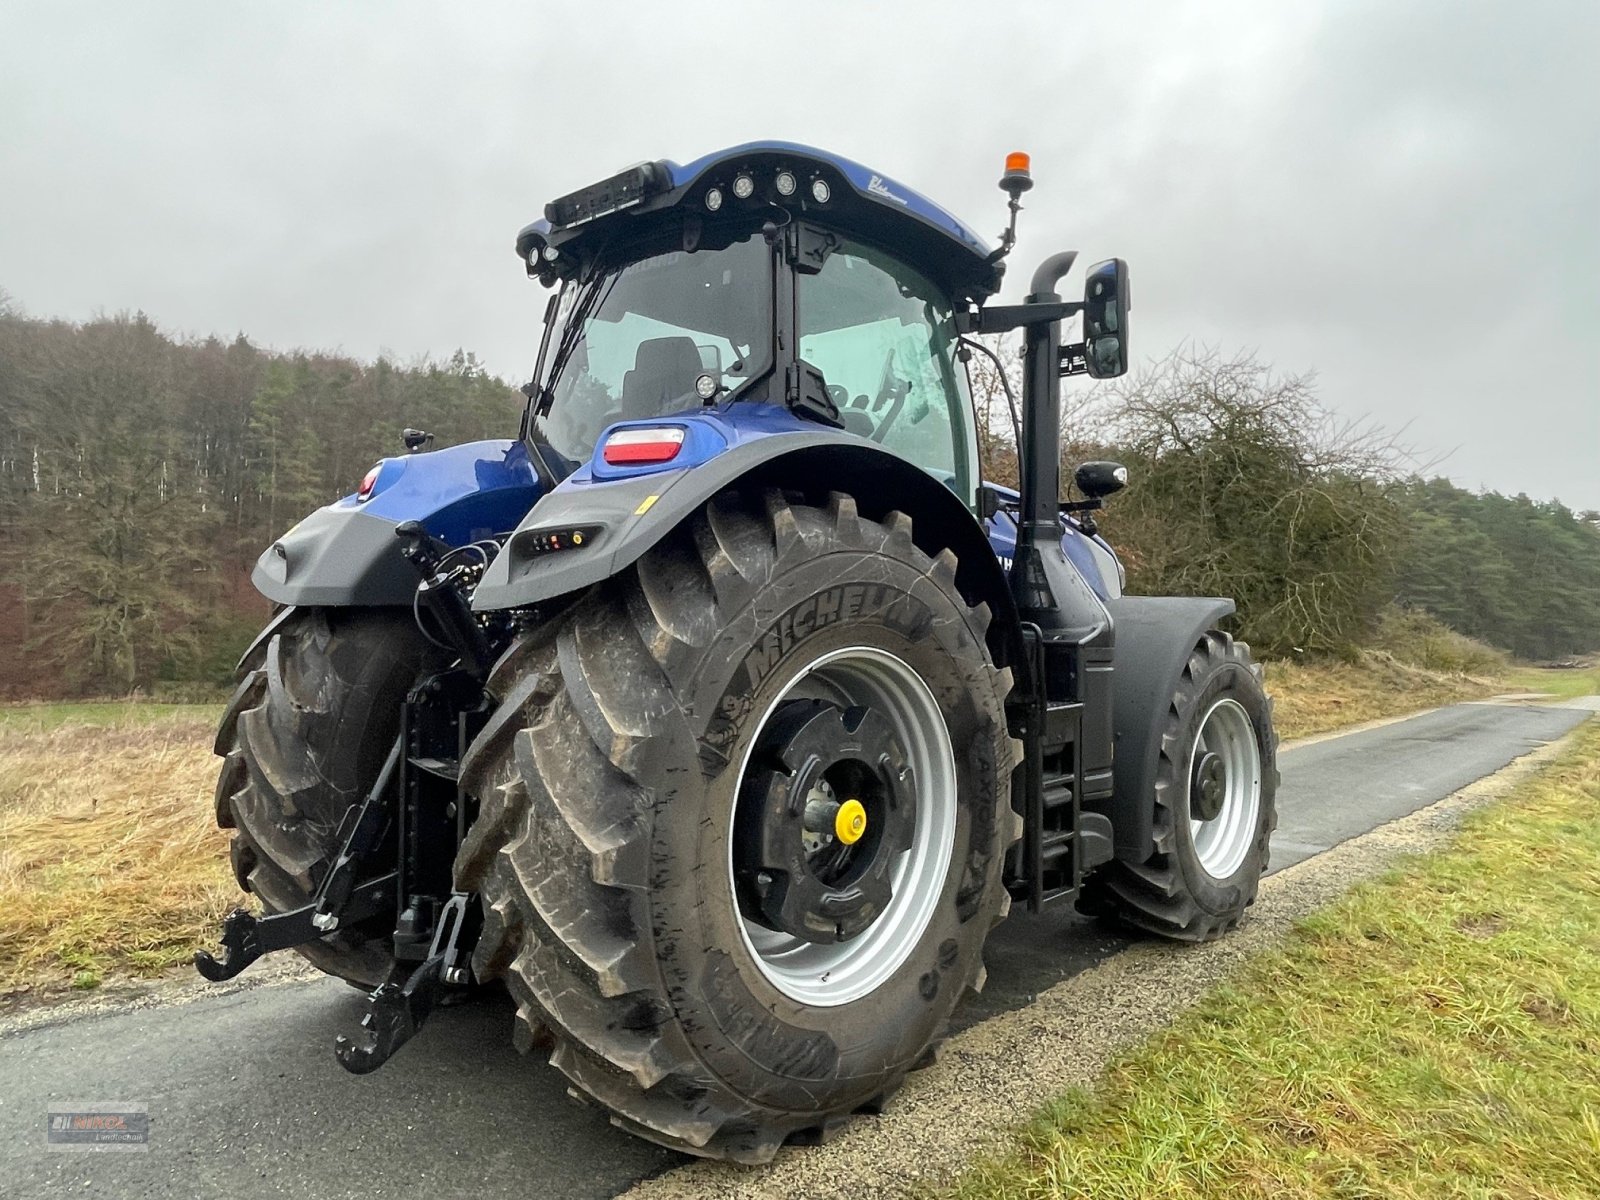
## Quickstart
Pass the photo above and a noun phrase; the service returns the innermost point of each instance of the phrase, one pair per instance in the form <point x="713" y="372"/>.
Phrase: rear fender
<point x="618" y="520"/>
<point x="347" y="553"/>
<point x="1154" y="637"/>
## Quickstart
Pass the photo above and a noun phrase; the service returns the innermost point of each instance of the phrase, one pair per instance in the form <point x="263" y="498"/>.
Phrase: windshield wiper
<point x="571" y="333"/>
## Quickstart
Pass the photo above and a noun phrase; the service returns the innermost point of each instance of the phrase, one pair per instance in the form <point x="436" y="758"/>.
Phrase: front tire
<point x="634" y="789"/>
<point x="1215" y="804"/>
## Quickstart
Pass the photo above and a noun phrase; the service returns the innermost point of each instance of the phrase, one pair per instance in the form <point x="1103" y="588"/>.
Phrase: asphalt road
<point x="246" y="1099"/>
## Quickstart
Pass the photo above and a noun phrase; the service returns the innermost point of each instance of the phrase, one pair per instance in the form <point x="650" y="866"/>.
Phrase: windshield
<point x="633" y="343"/>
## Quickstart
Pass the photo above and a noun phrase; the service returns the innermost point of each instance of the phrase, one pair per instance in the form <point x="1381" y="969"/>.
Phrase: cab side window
<point x="883" y="338"/>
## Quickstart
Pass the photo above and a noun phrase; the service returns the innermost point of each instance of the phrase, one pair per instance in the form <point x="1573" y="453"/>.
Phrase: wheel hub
<point x="827" y="807"/>
<point x="1209" y="786"/>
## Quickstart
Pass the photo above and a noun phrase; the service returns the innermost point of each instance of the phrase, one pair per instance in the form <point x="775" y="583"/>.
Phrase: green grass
<point x="1580" y="681"/>
<point x="1435" y="1034"/>
<point x="100" y="713"/>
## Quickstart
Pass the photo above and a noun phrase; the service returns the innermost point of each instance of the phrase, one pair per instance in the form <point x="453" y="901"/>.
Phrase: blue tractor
<point x="724" y="711"/>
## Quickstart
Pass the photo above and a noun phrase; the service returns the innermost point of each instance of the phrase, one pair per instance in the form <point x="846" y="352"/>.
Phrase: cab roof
<point x="852" y="199"/>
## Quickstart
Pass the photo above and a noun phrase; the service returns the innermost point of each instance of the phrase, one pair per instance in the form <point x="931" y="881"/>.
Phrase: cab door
<point x="883" y="337"/>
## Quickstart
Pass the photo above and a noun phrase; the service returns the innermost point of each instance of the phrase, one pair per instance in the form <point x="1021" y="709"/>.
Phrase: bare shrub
<point x="1244" y="486"/>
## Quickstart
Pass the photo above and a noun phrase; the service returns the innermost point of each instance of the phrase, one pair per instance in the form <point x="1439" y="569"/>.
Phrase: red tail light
<point x="368" y="481"/>
<point x="655" y="444"/>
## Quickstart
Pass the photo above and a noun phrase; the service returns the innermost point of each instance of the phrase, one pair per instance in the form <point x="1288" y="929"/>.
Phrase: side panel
<point x="347" y="553"/>
<point x="1154" y="637"/>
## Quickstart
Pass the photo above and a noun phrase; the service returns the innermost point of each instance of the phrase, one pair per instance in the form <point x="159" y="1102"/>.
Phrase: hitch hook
<point x="394" y="1015"/>
<point x="240" y="948"/>
<point x="396" y="1011"/>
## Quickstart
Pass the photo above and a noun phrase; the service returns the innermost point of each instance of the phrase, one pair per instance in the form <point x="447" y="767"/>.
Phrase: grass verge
<point x="110" y="859"/>
<point x="1317" y="697"/>
<point x="92" y="714"/>
<point x="1565" y="682"/>
<point x="1433" y="1034"/>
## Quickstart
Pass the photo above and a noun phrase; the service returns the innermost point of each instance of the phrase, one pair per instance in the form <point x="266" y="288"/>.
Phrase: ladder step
<point x="440" y="768"/>
<point x="1057" y="792"/>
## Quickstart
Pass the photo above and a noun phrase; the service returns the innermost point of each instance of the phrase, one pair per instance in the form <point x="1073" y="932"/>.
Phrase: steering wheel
<point x="891" y="391"/>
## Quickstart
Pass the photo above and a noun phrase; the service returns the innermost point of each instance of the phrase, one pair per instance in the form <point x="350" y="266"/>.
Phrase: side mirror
<point x="1105" y="319"/>
<point x="1096" y="480"/>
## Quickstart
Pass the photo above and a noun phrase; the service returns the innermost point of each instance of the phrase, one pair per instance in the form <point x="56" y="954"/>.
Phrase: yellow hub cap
<point x="850" y="822"/>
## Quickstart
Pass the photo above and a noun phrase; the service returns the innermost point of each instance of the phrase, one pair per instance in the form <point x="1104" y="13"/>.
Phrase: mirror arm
<point x="1002" y="318"/>
<point x="1087" y="508"/>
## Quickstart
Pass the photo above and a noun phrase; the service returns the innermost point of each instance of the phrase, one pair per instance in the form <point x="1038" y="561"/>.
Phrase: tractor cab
<point x="769" y="274"/>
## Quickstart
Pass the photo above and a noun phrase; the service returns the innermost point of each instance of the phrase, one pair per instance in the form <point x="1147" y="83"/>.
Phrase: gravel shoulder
<point x="992" y="1076"/>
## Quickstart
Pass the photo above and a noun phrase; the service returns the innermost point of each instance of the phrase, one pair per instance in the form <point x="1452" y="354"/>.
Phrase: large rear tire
<point x="647" y="766"/>
<point x="315" y="713"/>
<point x="1215" y="804"/>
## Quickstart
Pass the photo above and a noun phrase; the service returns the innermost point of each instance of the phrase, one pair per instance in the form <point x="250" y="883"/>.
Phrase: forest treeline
<point x="141" y="474"/>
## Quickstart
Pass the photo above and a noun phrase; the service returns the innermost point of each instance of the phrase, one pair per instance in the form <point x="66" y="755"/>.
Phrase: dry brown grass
<point x="1321" y="696"/>
<point x="110" y="861"/>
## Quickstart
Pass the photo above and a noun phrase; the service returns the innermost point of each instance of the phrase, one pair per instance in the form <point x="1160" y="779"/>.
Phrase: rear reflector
<point x="649" y="445"/>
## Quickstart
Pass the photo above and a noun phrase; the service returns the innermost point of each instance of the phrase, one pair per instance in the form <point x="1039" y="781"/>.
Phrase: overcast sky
<point x="1403" y="198"/>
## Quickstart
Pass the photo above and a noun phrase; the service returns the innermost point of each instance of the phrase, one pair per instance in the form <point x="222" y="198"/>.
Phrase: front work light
<point x="640" y="446"/>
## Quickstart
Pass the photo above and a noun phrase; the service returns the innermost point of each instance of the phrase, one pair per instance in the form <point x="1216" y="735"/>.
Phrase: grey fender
<point x="621" y="520"/>
<point x="336" y="556"/>
<point x="1154" y="637"/>
<point x="279" y="620"/>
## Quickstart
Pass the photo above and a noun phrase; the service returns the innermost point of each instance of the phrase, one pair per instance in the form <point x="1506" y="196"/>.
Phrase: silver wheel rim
<point x="1223" y="842"/>
<point x="828" y="974"/>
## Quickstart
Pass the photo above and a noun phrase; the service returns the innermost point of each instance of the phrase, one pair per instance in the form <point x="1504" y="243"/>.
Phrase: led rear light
<point x="368" y="482"/>
<point x="628" y="447"/>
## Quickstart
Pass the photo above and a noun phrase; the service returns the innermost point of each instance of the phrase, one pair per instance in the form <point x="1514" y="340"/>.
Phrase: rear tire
<point x="1212" y="834"/>
<point x="613" y="794"/>
<point x="314" y="716"/>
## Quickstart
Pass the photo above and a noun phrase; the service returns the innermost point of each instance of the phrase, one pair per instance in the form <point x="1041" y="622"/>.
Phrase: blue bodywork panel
<point x="460" y="494"/>
<point x="345" y="552"/>
<point x="864" y="203"/>
<point x="1092" y="556"/>
<point x="479" y="489"/>
<point x="712" y="431"/>
<point x="707" y="433"/>
<point x="870" y="184"/>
